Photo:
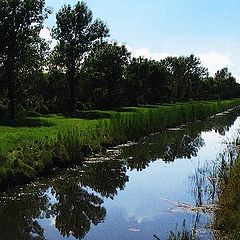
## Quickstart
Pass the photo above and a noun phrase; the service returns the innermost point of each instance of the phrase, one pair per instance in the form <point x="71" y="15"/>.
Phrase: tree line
<point x="85" y="70"/>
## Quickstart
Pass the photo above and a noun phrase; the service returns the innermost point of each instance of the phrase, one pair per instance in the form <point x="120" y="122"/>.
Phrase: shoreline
<point x="72" y="143"/>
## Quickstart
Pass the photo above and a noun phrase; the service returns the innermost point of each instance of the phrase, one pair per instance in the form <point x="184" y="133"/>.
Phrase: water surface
<point x="158" y="186"/>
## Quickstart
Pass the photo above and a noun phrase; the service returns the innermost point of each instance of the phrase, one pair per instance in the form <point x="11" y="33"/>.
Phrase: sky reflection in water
<point x="144" y="193"/>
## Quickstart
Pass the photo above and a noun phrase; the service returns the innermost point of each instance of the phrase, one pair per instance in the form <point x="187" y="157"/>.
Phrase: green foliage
<point x="3" y="109"/>
<point x="85" y="72"/>
<point x="103" y="75"/>
<point x="21" y="48"/>
<point x="76" y="34"/>
<point x="145" y="82"/>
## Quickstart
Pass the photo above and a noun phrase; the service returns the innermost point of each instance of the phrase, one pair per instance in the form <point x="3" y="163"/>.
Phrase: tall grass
<point x="149" y="120"/>
<point x="227" y="218"/>
<point x="74" y="138"/>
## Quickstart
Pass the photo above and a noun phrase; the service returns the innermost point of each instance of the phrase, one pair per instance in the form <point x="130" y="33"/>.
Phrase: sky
<point x="209" y="29"/>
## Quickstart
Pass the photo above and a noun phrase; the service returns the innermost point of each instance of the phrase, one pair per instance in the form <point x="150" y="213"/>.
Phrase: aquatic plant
<point x="182" y="234"/>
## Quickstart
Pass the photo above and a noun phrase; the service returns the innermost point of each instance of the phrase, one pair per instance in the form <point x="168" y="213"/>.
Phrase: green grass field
<point x="30" y="146"/>
<point x="48" y="126"/>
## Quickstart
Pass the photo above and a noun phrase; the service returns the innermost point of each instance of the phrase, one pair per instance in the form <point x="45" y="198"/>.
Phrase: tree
<point x="226" y="85"/>
<point x="174" y="77"/>
<point x="136" y="84"/>
<point x="186" y="74"/>
<point x="20" y="25"/>
<point x="104" y="75"/>
<point x="195" y="73"/>
<point x="76" y="34"/>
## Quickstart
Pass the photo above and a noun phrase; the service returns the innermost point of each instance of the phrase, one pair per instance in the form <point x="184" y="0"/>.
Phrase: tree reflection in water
<point x="17" y="216"/>
<point x="186" y="147"/>
<point x="106" y="178"/>
<point x="70" y="199"/>
<point x="74" y="199"/>
<point x="76" y="210"/>
<point x="170" y="145"/>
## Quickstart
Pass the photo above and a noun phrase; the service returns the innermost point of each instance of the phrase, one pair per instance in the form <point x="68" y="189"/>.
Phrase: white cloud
<point x="145" y="52"/>
<point x="46" y="34"/>
<point x="212" y="60"/>
<point x="215" y="61"/>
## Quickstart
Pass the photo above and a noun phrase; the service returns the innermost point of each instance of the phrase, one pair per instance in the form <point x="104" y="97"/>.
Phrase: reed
<point x="228" y="213"/>
<point x="67" y="140"/>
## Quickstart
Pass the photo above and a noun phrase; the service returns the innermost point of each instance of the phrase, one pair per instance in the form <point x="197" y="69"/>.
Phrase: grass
<point x="13" y="135"/>
<point x="228" y="214"/>
<point x="32" y="145"/>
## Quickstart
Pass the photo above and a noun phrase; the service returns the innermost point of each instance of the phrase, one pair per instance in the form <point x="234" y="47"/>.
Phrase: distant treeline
<point x="84" y="70"/>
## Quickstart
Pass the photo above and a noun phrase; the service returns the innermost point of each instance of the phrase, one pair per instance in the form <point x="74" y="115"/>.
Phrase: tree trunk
<point x="11" y="78"/>
<point x="72" y="85"/>
<point x="11" y="105"/>
<point x="72" y="95"/>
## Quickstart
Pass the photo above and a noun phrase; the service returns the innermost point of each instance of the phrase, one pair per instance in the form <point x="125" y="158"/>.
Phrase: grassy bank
<point x="228" y="214"/>
<point x="33" y="145"/>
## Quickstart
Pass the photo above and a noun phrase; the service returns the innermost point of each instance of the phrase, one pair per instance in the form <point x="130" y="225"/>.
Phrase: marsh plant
<point x="219" y="183"/>
<point x="73" y="139"/>
<point x="182" y="234"/>
<point x="69" y="145"/>
<point x="227" y="215"/>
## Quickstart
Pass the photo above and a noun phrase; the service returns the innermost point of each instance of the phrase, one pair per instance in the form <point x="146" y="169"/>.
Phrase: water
<point x="144" y="191"/>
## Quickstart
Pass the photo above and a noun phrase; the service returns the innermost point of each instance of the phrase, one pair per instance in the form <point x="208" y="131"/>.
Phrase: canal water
<point x="163" y="186"/>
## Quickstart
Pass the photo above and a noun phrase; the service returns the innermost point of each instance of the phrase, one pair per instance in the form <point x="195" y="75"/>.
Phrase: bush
<point x="32" y="114"/>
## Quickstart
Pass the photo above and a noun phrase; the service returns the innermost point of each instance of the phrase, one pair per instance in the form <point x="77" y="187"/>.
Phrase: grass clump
<point x="68" y="146"/>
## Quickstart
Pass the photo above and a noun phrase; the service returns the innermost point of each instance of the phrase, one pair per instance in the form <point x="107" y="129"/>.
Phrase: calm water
<point x="132" y="193"/>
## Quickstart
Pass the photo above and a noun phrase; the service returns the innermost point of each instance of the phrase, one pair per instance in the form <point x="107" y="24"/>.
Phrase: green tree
<point x="226" y="86"/>
<point x="20" y="25"/>
<point x="195" y="73"/>
<point x="76" y="34"/>
<point x="173" y="78"/>
<point x="185" y="76"/>
<point x="136" y="87"/>
<point x="104" y="75"/>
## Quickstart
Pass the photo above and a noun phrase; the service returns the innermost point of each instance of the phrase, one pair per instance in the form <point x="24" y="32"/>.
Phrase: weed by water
<point x="68" y="146"/>
<point x="31" y="150"/>
<point x="228" y="214"/>
<point x="182" y="234"/>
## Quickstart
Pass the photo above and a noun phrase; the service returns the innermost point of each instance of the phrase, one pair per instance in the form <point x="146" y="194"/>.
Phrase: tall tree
<point x="137" y="78"/>
<point x="104" y="75"/>
<point x="186" y="74"/>
<point x="195" y="73"/>
<point x="76" y="34"/>
<point x="225" y="83"/>
<point x="20" y="25"/>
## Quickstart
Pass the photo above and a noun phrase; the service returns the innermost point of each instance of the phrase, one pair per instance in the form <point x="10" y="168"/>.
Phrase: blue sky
<point x="156" y="28"/>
